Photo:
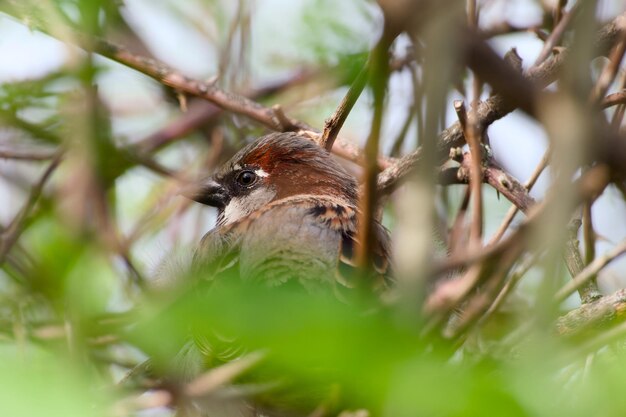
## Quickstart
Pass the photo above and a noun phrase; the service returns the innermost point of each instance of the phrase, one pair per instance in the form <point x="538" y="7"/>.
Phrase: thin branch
<point x="207" y="90"/>
<point x="557" y="33"/>
<point x="510" y="215"/>
<point x="457" y="231"/>
<point x="500" y="257"/>
<point x="610" y="70"/>
<point x="503" y="28"/>
<point x="471" y="134"/>
<point x="510" y="285"/>
<point x="492" y="278"/>
<point x="589" y="234"/>
<point x="589" y="272"/>
<point x="500" y="180"/>
<point x="12" y="233"/>
<point x="496" y="107"/>
<point x="283" y="119"/>
<point x="588" y="186"/>
<point x="23" y="155"/>
<point x="215" y="378"/>
<point x="226" y="100"/>
<point x="614" y="99"/>
<point x="333" y="125"/>
<point x="202" y="113"/>
<point x="396" y="147"/>
<point x="618" y="115"/>
<point x="559" y="11"/>
<point x="378" y="73"/>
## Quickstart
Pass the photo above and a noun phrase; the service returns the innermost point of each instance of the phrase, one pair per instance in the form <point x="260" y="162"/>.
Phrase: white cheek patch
<point x="234" y="211"/>
<point x="240" y="207"/>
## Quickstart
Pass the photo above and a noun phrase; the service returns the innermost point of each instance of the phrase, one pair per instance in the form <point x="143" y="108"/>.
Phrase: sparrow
<point x="287" y="211"/>
<point x="287" y="215"/>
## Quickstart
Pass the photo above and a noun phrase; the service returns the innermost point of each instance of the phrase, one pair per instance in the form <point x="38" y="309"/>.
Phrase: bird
<point x="287" y="212"/>
<point x="287" y="215"/>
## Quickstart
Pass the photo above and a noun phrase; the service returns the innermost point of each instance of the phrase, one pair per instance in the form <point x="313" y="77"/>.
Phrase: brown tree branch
<point x="377" y="75"/>
<point x="471" y="134"/>
<point x="614" y="99"/>
<point x="588" y="187"/>
<point x="589" y="272"/>
<point x="596" y="315"/>
<point x="514" y="208"/>
<point x="333" y="125"/>
<point x="562" y="21"/>
<point x="610" y="70"/>
<point x="202" y="112"/>
<point x="23" y="155"/>
<point x="496" y="107"/>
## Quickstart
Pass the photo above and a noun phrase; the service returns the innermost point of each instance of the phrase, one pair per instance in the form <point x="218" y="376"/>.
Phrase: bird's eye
<point x="246" y="178"/>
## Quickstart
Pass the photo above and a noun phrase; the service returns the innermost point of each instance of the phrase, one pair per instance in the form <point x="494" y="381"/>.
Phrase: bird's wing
<point x="380" y="273"/>
<point x="308" y="239"/>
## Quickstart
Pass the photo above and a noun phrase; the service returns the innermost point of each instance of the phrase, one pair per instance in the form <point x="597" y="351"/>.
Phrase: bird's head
<point x="274" y="167"/>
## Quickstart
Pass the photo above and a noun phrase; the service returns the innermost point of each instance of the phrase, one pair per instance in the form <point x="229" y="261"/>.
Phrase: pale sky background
<point x="518" y="142"/>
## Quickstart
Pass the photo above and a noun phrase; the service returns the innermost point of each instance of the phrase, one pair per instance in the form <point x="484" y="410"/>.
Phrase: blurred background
<point x="255" y="44"/>
<point x="107" y="222"/>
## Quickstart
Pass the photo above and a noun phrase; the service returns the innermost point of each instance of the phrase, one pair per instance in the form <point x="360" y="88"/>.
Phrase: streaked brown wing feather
<point x="380" y="264"/>
<point x="277" y="243"/>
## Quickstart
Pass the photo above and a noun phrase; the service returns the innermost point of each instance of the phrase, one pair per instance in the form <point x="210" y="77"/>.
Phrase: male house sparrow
<point x="287" y="211"/>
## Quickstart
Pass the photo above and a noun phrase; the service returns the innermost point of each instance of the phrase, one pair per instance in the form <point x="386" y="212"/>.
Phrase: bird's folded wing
<point x="308" y="240"/>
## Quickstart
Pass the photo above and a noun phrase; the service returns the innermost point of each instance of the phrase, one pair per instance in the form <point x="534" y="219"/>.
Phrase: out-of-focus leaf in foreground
<point x="34" y="382"/>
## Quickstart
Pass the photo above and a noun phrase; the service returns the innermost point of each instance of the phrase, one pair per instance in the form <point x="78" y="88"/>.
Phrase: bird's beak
<point x="208" y="192"/>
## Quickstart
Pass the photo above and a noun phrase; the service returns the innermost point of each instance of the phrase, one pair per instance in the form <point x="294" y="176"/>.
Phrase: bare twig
<point x="500" y="180"/>
<point x="378" y="72"/>
<point x="515" y="277"/>
<point x="14" y="230"/>
<point x="207" y="90"/>
<point x="26" y="155"/>
<point x="610" y="70"/>
<point x="589" y="186"/>
<point x="559" y="11"/>
<point x="495" y="107"/>
<point x="457" y="231"/>
<point x="333" y="125"/>
<point x="285" y="123"/>
<point x="514" y="208"/>
<point x="396" y="147"/>
<point x="589" y="272"/>
<point x="557" y="32"/>
<point x="589" y="234"/>
<point x="214" y="378"/>
<point x="202" y="113"/>
<point x="614" y="99"/>
<point x="475" y="169"/>
<point x="618" y="115"/>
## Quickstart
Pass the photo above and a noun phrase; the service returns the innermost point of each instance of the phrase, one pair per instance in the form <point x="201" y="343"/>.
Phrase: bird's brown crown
<point x="295" y="165"/>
